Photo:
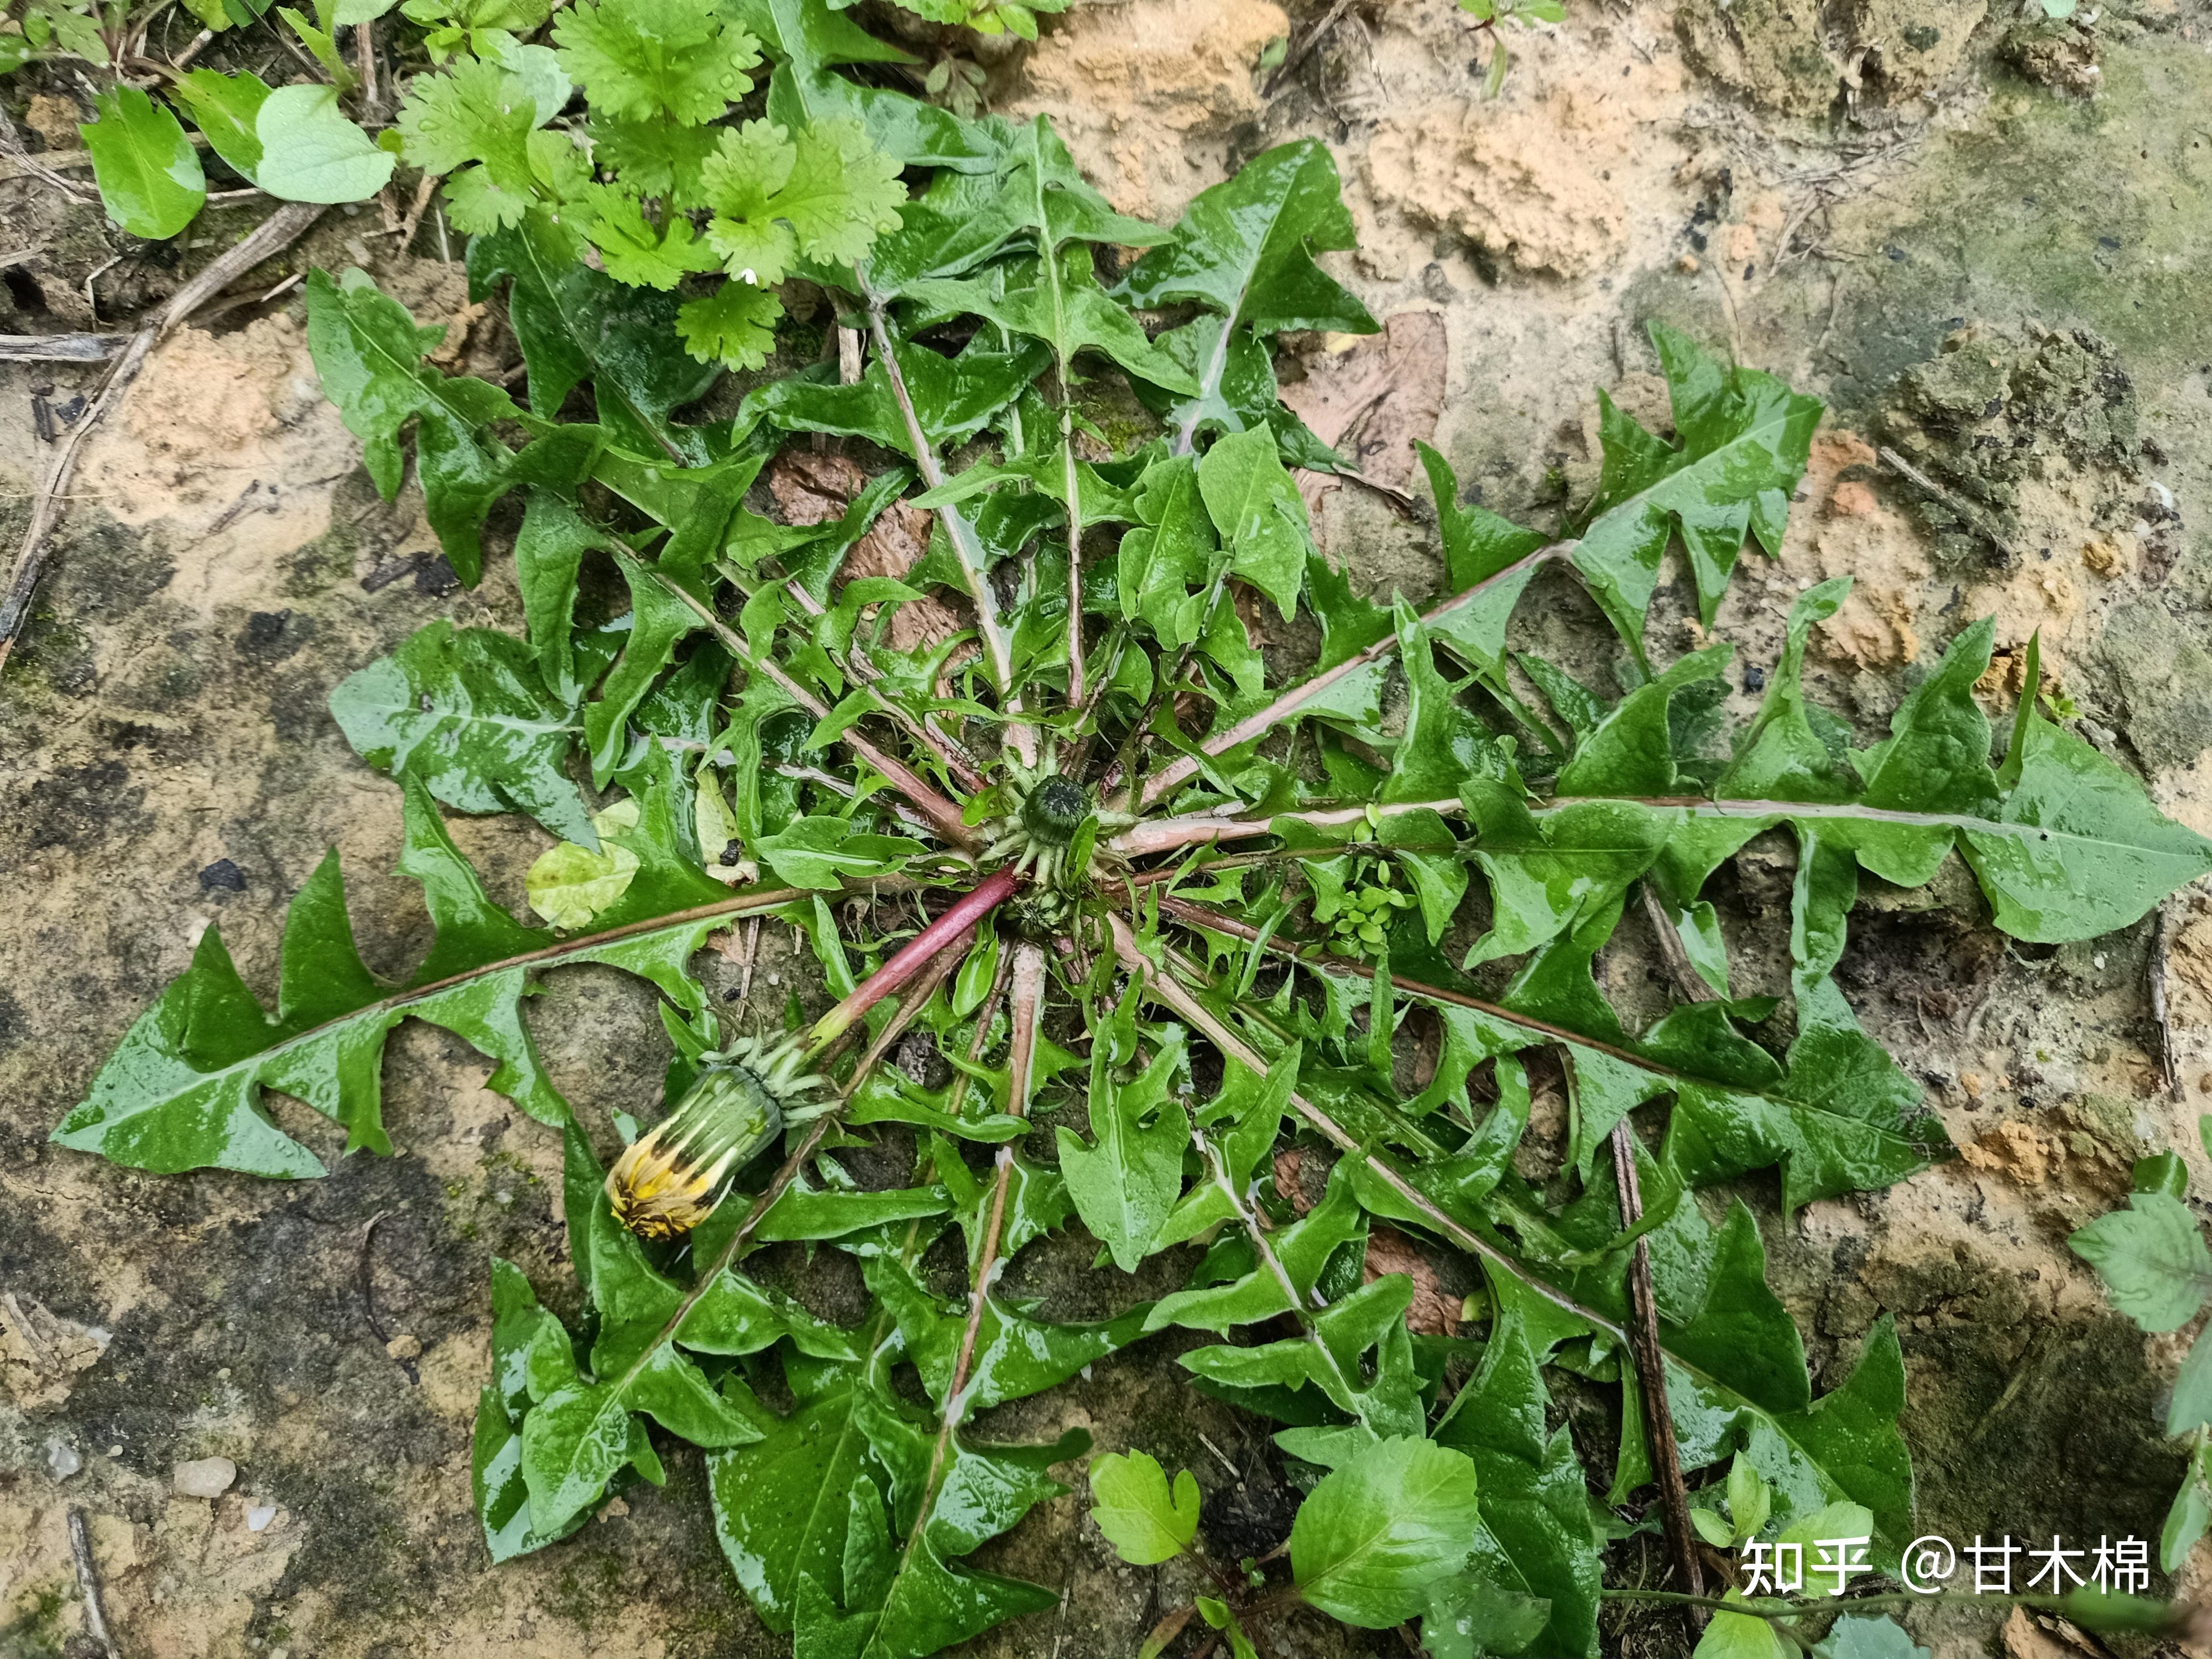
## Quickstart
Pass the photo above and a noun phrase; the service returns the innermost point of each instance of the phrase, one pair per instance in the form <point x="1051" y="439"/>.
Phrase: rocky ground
<point x="1984" y="237"/>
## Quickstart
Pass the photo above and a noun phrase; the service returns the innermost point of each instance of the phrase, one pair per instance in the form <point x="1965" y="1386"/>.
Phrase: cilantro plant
<point x="1118" y="846"/>
<point x="294" y="143"/>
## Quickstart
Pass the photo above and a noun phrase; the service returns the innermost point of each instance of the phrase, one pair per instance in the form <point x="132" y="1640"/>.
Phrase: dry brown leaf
<point x="1434" y="1312"/>
<point x="813" y="489"/>
<point x="810" y="489"/>
<point x="1371" y="401"/>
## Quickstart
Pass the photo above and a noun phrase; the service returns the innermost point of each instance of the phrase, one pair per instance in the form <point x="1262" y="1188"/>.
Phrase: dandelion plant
<point x="1149" y="881"/>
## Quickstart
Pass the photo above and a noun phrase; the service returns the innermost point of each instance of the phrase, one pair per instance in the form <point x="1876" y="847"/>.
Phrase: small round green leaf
<point x="2152" y="1258"/>
<point x="310" y="153"/>
<point x="1144" y="1520"/>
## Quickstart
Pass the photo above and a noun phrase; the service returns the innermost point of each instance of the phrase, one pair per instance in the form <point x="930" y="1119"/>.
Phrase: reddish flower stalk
<point x="969" y="909"/>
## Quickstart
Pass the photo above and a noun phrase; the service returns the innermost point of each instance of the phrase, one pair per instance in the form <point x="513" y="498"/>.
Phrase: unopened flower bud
<point x="671" y="1179"/>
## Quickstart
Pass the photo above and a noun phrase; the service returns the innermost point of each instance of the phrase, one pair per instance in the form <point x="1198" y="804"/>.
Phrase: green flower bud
<point x="1055" y="809"/>
<point x="671" y="1179"/>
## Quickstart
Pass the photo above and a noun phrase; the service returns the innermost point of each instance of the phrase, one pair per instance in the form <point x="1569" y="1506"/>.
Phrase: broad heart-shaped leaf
<point x="183" y="1090"/>
<point x="310" y="153"/>
<point x="1375" y="1534"/>
<point x="1146" y="1521"/>
<point x="148" y="175"/>
<point x="370" y="355"/>
<point x="466" y="713"/>
<point x="2152" y="1258"/>
<point x="1530" y="1484"/>
<point x="1127" y="1181"/>
<point x="575" y="324"/>
<point x="1745" y="438"/>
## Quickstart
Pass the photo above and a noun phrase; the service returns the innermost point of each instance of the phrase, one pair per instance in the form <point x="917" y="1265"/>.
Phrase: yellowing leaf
<point x="569" y="885"/>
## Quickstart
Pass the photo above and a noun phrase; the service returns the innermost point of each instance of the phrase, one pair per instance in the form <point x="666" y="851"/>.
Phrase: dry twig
<point x="1920" y="480"/>
<point x="275" y="233"/>
<point x="39" y="168"/>
<point x="1644" y="1307"/>
<point x="1304" y="48"/>
<point x="87" y="1579"/>
<point x="62" y="348"/>
<point x="2170" y="915"/>
<point x="1651" y="1375"/>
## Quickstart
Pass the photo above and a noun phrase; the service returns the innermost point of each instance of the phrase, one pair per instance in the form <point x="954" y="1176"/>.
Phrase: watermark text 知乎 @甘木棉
<point x="1932" y="1566"/>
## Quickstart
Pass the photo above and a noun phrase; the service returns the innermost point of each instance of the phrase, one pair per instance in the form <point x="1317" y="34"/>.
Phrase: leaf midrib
<point x="400" y="1000"/>
<point x="1190" y="916"/>
<point x="1465" y="1238"/>
<point x="599" y="375"/>
<point x="1209" y="383"/>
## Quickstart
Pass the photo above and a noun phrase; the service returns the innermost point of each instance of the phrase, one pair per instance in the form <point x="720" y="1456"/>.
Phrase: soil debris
<point x="1371" y="398"/>
<point x="41" y="1352"/>
<point x="1530" y="183"/>
<point x="1998" y="414"/>
<point x="1118" y="80"/>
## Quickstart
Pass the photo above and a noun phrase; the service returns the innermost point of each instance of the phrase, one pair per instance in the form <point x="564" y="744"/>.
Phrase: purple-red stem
<point x="969" y="908"/>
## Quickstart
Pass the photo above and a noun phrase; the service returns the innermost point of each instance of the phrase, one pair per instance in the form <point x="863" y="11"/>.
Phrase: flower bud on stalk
<point x="671" y="1179"/>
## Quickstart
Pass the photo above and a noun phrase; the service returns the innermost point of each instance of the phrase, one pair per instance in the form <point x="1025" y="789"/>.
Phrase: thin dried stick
<point x="272" y="236"/>
<point x="2169" y="914"/>
<point x="1651" y="1370"/>
<point x="1688" y="981"/>
<point x="87" y="1580"/>
<point x="364" y="45"/>
<point x="1314" y="36"/>
<point x="1972" y="514"/>
<point x="12" y="143"/>
<point x="61" y="348"/>
<point x="413" y="222"/>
